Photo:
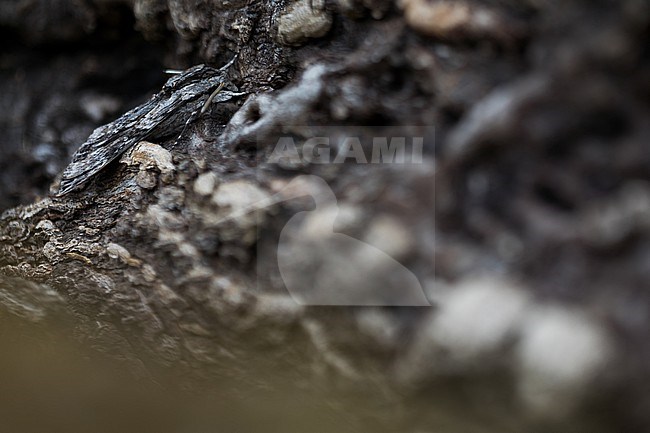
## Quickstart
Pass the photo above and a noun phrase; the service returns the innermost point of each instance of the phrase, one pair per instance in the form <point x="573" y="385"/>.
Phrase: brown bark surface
<point x="526" y="222"/>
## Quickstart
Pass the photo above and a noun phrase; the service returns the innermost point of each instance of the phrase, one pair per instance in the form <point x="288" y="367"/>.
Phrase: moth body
<point x="179" y="101"/>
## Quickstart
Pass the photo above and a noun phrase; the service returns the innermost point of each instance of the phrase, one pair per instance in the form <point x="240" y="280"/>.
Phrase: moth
<point x="183" y="98"/>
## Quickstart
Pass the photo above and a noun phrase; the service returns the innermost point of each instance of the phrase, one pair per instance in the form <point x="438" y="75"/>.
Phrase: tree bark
<point x="524" y="221"/>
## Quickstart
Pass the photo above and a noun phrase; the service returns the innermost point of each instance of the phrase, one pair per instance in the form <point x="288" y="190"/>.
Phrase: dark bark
<point x="532" y="201"/>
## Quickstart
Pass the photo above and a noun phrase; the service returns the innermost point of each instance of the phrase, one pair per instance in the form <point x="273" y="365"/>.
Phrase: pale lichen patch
<point x="303" y="20"/>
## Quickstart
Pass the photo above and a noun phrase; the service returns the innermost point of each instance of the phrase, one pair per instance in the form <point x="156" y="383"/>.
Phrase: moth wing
<point x="226" y="95"/>
<point x="91" y="157"/>
<point x="108" y="142"/>
<point x="104" y="145"/>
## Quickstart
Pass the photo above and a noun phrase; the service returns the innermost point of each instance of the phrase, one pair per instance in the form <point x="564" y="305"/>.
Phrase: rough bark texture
<point x="526" y="222"/>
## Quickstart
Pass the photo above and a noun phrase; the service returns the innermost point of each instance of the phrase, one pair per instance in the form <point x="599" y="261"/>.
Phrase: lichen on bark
<point x="525" y="221"/>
